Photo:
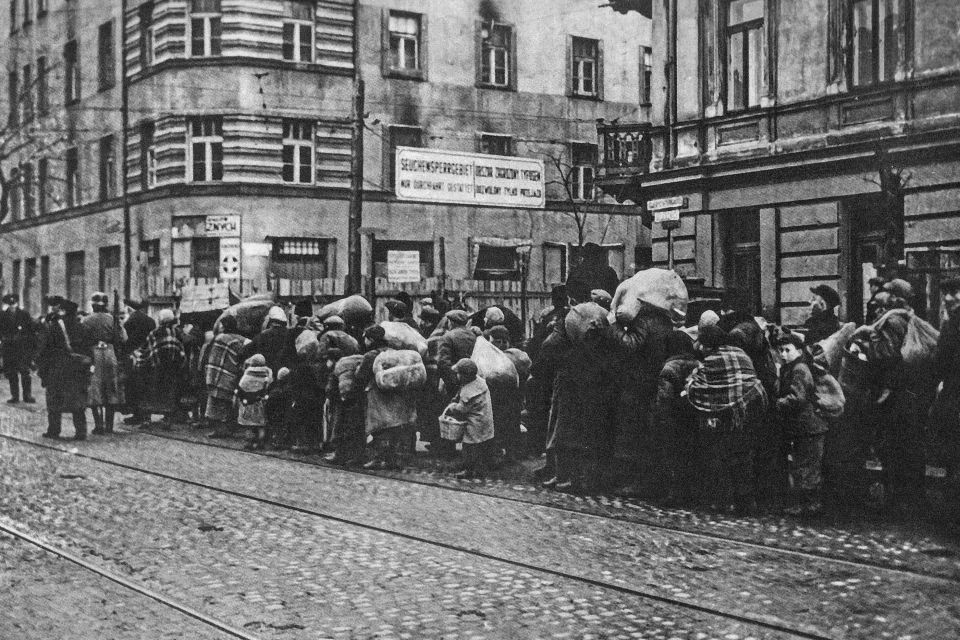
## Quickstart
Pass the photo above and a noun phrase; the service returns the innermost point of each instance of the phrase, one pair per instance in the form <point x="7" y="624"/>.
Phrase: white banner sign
<point x="222" y="226"/>
<point x="230" y="258"/>
<point x="204" y="297"/>
<point x="429" y="175"/>
<point x="403" y="266"/>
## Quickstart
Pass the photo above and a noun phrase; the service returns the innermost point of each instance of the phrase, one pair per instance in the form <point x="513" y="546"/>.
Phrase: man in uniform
<point x="19" y="337"/>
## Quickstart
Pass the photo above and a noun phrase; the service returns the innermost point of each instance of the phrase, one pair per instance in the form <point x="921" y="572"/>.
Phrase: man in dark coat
<point x="398" y="311"/>
<point x="138" y="326"/>
<point x="823" y="321"/>
<point x="944" y="422"/>
<point x="593" y="272"/>
<point x="455" y="344"/>
<point x="272" y="343"/>
<point x="63" y="362"/>
<point x="19" y="339"/>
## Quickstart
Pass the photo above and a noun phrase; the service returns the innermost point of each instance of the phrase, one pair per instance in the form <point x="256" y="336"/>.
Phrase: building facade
<point x="202" y="140"/>
<point x="805" y="142"/>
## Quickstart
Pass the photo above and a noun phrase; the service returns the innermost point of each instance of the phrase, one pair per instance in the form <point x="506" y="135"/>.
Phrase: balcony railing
<point x="627" y="148"/>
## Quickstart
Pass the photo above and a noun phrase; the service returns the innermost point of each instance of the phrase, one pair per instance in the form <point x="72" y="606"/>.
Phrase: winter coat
<point x="796" y="401"/>
<point x="274" y="345"/>
<point x="19" y="337"/>
<point x="251" y="396"/>
<point x="385" y="410"/>
<point x="105" y="385"/>
<point x="63" y="375"/>
<point x="138" y="326"/>
<point x="473" y="405"/>
<point x="820" y="326"/>
<point x="455" y="345"/>
<point x="673" y="412"/>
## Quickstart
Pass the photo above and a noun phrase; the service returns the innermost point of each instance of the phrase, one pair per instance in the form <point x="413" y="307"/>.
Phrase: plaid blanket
<point x="223" y="365"/>
<point x="165" y="348"/>
<point x="724" y="386"/>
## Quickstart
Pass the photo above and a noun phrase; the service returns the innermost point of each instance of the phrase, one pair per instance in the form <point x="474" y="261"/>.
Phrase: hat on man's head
<point x="466" y="367"/>
<point x="458" y="317"/>
<point x="133" y="303"/>
<point x="828" y="293"/>
<point x="11" y="298"/>
<point x="99" y="298"/>
<point x="303" y="308"/>
<point x="396" y="308"/>
<point x="69" y="306"/>
<point x="900" y="288"/>
<point x="53" y="301"/>
<point x="333" y="322"/>
<point x="429" y="313"/>
<point x="375" y="334"/>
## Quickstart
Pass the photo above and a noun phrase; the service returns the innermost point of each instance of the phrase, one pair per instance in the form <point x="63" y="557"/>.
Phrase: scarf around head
<point x="725" y="385"/>
<point x="255" y="378"/>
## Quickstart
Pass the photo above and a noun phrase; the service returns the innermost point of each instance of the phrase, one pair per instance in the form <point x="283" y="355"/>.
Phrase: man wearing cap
<point x="456" y="344"/>
<point x="63" y="364"/>
<point x="823" y="321"/>
<point x="399" y="312"/>
<point x="19" y="338"/>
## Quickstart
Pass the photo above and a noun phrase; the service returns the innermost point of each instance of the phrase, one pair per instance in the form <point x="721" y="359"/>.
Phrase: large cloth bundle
<point x="399" y="370"/>
<point x="828" y="353"/>
<point x="338" y="340"/>
<point x="659" y="288"/>
<point x="830" y="397"/>
<point x="355" y="310"/>
<point x="494" y="365"/>
<point x="583" y="319"/>
<point x="521" y="362"/>
<point x="346" y="372"/>
<point x="250" y="314"/>
<point x="920" y="344"/>
<point x="400" y="335"/>
<point x="307" y="346"/>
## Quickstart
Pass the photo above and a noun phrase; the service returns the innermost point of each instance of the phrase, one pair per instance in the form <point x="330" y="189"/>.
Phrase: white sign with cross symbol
<point x="230" y="258"/>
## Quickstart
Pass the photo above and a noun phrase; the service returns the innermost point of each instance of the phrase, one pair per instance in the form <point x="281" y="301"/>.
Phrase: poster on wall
<point x="403" y="266"/>
<point x="433" y="175"/>
<point x="230" y="258"/>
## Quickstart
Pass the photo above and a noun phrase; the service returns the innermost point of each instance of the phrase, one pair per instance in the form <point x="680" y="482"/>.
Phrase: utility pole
<point x="124" y="144"/>
<point x="355" y="219"/>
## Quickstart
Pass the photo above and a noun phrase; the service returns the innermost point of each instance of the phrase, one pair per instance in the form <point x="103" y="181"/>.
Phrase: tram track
<point x="125" y="583"/>
<point x="640" y="521"/>
<point x="769" y="624"/>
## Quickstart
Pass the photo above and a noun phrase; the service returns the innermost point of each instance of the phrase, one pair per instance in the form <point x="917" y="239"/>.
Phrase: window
<point x="14" y="196"/>
<point x="496" y="55"/>
<point x="43" y="176"/>
<point x="206" y="144"/>
<point x="29" y="197"/>
<point x="204" y="28"/>
<point x="71" y="65"/>
<point x="43" y="103"/>
<point x="41" y="8"/>
<point x="496" y="263"/>
<point x="382" y="249"/>
<point x="873" y="30"/>
<point x="744" y="44"/>
<point x="44" y="277"/>
<point x="75" y="275"/>
<point x="300" y="258"/>
<point x="400" y="136"/>
<point x="73" y="177"/>
<point x="741" y="236"/>
<point x="298" y="32"/>
<point x="29" y="284"/>
<point x="148" y="156"/>
<point x="205" y="258"/>
<point x="404" y="29"/>
<point x="13" y="98"/>
<point x="110" y="268"/>
<point x="108" y="168"/>
<point x="27" y="97"/>
<point x="646" y="74"/>
<point x="16" y="277"/>
<point x="106" y="62"/>
<point x="298" y="151"/>
<point x="27" y="13"/>
<point x="145" y="36"/>
<point x="584" y="160"/>
<point x="586" y="63"/>
<point x="494" y="144"/>
<point x="13" y="16"/>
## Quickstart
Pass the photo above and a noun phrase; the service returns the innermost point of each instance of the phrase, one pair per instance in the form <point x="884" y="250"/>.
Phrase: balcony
<point x="627" y="148"/>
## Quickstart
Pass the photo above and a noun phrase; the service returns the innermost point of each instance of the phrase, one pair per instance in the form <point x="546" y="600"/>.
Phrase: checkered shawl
<point x="223" y="365"/>
<point x="724" y="386"/>
<point x="165" y="348"/>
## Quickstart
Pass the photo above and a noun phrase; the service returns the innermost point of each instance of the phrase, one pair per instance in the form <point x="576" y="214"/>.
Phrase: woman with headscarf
<point x="730" y="402"/>
<point x="106" y="335"/>
<point x="222" y="371"/>
<point x="167" y="358"/>
<point x="63" y="363"/>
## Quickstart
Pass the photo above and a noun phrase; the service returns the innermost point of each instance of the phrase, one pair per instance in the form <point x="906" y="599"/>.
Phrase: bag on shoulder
<point x="830" y="398"/>
<point x="920" y="343"/>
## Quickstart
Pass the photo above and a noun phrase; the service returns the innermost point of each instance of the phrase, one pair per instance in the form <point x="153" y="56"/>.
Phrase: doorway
<point x="874" y="238"/>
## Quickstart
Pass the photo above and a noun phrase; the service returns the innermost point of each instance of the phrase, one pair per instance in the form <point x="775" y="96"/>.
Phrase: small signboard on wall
<point x="230" y="258"/>
<point x="403" y="266"/>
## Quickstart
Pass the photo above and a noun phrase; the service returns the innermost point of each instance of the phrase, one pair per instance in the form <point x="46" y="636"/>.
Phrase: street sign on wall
<point x="431" y="175"/>
<point x="230" y="258"/>
<point x="403" y="266"/>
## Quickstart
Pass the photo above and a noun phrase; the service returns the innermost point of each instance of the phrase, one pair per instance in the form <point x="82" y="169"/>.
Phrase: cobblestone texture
<point x="283" y="574"/>
<point x="48" y="598"/>
<point x="834" y="598"/>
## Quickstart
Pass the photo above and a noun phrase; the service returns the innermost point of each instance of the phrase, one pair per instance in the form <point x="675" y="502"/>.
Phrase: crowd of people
<point x="733" y="413"/>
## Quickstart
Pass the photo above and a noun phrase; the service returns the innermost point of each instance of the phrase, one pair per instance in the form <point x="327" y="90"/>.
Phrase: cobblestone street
<point x="278" y="548"/>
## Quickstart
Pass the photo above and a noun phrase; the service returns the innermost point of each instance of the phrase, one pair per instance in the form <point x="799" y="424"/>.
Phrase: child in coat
<point x="804" y="427"/>
<point x="251" y="399"/>
<point x="472" y="404"/>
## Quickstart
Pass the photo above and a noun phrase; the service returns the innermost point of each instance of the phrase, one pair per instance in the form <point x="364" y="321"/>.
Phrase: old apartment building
<point x="205" y="139"/>
<point x="805" y="142"/>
